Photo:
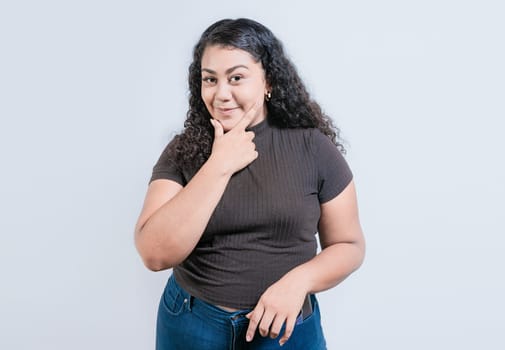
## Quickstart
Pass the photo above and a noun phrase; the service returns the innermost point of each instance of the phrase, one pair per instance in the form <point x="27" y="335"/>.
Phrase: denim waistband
<point x="208" y="310"/>
<point x="213" y="312"/>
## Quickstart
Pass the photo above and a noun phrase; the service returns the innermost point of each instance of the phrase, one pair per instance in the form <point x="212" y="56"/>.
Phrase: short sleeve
<point x="166" y="168"/>
<point x="334" y="173"/>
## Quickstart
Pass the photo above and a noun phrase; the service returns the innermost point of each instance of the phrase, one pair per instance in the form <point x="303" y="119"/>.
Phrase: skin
<point x="232" y="82"/>
<point x="174" y="218"/>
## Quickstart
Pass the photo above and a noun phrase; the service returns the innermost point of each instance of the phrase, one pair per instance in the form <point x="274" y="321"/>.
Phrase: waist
<point x="230" y="283"/>
<point x="217" y="312"/>
<point x="304" y="312"/>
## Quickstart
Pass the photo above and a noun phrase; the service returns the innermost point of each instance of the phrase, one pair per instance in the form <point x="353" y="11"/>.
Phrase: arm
<point x="342" y="243"/>
<point x="343" y="250"/>
<point x="173" y="217"/>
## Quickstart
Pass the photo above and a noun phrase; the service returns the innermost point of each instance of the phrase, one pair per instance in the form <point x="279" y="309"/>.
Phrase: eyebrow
<point x="228" y="71"/>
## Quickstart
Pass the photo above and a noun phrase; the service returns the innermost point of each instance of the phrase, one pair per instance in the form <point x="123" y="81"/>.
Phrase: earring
<point x="268" y="96"/>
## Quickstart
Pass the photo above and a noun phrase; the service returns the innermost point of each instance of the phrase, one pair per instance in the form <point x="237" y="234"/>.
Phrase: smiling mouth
<point x="226" y="110"/>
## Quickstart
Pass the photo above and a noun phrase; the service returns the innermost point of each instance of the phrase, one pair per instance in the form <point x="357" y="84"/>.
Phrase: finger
<point x="254" y="320"/>
<point x="290" y="325"/>
<point x="247" y="118"/>
<point x="218" y="128"/>
<point x="275" y="329"/>
<point x="266" y="322"/>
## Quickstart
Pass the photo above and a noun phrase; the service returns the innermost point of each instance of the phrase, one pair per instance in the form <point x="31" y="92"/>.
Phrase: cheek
<point x="248" y="96"/>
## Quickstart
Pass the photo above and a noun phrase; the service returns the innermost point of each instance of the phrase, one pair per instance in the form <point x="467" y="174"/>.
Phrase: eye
<point x="209" y="80"/>
<point x="235" y="78"/>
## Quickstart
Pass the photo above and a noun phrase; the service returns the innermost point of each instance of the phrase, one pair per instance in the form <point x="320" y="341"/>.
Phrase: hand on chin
<point x="229" y="123"/>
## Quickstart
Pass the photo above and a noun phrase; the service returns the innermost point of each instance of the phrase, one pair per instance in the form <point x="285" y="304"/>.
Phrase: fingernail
<point x="248" y="337"/>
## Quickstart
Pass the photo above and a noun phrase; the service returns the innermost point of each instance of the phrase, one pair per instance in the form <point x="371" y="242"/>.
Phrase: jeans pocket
<point x="313" y="314"/>
<point x="173" y="301"/>
<point x="302" y="319"/>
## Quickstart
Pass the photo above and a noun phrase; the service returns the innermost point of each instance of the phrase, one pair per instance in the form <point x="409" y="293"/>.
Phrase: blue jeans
<point x="188" y="323"/>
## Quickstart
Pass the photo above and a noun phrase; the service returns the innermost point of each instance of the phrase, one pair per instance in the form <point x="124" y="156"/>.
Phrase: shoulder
<point x="313" y="138"/>
<point x="308" y="133"/>
<point x="168" y="154"/>
<point x="167" y="166"/>
<point x="305" y="133"/>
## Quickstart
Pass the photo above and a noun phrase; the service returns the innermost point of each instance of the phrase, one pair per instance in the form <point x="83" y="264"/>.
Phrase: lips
<point x="226" y="110"/>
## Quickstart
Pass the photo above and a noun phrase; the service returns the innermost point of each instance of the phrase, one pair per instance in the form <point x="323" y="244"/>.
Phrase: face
<point x="232" y="82"/>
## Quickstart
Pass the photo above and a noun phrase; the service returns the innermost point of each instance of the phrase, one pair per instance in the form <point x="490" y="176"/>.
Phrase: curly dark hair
<point x="289" y="107"/>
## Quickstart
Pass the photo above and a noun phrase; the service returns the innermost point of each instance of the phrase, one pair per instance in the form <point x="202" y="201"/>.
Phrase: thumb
<point x="218" y="128"/>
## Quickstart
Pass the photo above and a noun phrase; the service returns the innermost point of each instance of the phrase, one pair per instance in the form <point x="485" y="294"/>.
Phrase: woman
<point x="236" y="199"/>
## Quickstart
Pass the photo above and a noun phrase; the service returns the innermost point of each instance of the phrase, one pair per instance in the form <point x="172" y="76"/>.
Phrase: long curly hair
<point x="289" y="107"/>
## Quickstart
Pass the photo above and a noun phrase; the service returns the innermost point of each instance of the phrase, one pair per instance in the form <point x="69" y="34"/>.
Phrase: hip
<point x="186" y="322"/>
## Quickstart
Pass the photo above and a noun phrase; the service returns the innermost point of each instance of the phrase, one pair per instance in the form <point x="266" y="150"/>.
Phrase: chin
<point x="228" y="123"/>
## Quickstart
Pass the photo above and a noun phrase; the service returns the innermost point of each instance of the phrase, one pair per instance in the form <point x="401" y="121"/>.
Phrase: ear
<point x="268" y="88"/>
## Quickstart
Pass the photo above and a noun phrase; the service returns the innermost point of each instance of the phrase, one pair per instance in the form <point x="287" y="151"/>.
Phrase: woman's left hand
<point x="280" y="303"/>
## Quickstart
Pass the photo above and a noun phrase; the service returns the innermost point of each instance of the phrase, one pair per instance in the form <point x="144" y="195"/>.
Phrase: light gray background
<point x="91" y="91"/>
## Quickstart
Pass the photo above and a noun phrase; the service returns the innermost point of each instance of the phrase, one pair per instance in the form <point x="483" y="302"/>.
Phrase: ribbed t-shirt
<point x="265" y="223"/>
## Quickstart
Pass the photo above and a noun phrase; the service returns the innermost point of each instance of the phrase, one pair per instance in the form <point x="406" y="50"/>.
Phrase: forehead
<point x="221" y="58"/>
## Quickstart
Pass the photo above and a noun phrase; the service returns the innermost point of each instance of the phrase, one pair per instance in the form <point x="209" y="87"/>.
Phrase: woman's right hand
<point x="234" y="150"/>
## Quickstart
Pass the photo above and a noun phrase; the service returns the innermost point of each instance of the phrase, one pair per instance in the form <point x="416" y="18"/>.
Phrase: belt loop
<point x="189" y="301"/>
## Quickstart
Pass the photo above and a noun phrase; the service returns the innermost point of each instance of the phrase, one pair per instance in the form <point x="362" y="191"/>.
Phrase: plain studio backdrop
<point x="91" y="92"/>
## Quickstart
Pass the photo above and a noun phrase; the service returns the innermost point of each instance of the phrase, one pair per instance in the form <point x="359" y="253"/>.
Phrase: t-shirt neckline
<point x="260" y="127"/>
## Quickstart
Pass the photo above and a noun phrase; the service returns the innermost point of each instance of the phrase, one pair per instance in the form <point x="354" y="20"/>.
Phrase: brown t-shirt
<point x="266" y="221"/>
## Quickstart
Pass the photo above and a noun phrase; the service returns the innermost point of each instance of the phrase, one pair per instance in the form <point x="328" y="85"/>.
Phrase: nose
<point x="223" y="91"/>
